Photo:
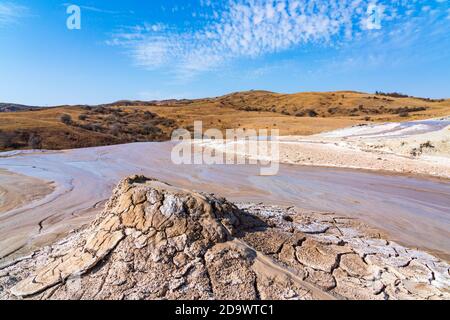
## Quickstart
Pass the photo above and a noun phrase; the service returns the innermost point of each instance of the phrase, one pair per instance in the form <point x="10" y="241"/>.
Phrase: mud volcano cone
<point x="150" y="240"/>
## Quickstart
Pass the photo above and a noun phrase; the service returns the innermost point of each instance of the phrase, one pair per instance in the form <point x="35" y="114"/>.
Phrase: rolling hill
<point x="12" y="107"/>
<point x="126" y="121"/>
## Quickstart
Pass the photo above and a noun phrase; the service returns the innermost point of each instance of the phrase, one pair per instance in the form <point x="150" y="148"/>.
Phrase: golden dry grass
<point x="247" y="110"/>
<point x="224" y="118"/>
<point x="343" y="103"/>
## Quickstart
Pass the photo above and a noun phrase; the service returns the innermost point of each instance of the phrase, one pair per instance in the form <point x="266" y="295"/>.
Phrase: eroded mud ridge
<point x="156" y="241"/>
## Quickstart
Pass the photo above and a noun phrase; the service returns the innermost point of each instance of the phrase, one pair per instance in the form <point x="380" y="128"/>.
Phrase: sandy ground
<point x="19" y="190"/>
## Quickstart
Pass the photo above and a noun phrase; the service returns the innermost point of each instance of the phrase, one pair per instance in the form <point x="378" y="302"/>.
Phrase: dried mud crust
<point x="156" y="241"/>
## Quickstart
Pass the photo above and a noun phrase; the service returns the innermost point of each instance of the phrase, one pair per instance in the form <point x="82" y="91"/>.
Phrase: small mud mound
<point x="156" y="241"/>
<point x="148" y="243"/>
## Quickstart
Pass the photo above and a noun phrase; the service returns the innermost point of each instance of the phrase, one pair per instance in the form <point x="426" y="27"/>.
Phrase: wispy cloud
<point x="414" y="40"/>
<point x="253" y="28"/>
<point x="10" y="13"/>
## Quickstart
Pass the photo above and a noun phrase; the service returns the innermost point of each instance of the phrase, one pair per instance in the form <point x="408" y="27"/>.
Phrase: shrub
<point x="66" y="119"/>
<point x="165" y="122"/>
<point x="91" y="127"/>
<point x="151" y="130"/>
<point x="391" y="94"/>
<point x="312" y="113"/>
<point x="115" y="129"/>
<point x="35" y="141"/>
<point x="111" y="118"/>
<point x="427" y="145"/>
<point x="82" y="117"/>
<point x="149" y="115"/>
<point x="6" y="140"/>
<point x="100" y="110"/>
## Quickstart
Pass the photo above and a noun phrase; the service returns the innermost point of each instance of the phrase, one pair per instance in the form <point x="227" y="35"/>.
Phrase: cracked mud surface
<point x="156" y="241"/>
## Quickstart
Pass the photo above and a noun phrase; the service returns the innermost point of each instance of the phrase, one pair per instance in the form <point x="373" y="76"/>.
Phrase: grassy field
<point x="337" y="104"/>
<point x="126" y="121"/>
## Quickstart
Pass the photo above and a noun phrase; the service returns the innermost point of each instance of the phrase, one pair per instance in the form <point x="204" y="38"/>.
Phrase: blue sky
<point x="186" y="49"/>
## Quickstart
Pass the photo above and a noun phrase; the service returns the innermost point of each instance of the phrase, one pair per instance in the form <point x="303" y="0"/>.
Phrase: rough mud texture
<point x="156" y="241"/>
<point x="349" y="259"/>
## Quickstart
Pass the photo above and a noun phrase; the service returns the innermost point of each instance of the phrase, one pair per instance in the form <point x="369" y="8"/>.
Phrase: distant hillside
<point x="125" y="121"/>
<point x="12" y="107"/>
<point x="378" y="107"/>
<point x="139" y="103"/>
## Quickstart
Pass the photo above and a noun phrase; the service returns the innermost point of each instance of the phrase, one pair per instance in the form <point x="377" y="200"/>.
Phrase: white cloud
<point x="10" y="13"/>
<point x="252" y="28"/>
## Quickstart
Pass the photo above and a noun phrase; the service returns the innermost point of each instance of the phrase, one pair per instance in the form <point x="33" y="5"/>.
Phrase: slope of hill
<point x="378" y="107"/>
<point x="12" y="107"/>
<point x="133" y="121"/>
<point x="78" y="127"/>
